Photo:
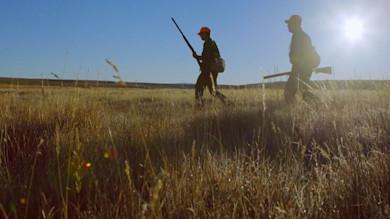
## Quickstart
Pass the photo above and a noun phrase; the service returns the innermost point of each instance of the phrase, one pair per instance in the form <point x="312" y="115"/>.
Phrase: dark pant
<point x="298" y="80"/>
<point x="204" y="80"/>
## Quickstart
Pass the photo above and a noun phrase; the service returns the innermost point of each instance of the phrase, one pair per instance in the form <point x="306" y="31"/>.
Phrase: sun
<point x="353" y="29"/>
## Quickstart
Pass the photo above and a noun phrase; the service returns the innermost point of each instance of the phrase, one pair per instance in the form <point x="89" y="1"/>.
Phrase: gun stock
<point x="326" y="70"/>
<point x="185" y="39"/>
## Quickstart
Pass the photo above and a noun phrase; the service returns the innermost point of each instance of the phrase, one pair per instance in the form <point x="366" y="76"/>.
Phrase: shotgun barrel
<point x="185" y="39"/>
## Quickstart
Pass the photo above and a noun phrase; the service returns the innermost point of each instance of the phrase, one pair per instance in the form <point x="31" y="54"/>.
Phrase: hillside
<point x="329" y="84"/>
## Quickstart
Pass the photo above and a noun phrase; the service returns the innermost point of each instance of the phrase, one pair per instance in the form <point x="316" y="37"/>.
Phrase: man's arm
<point x="196" y="56"/>
<point x="207" y="53"/>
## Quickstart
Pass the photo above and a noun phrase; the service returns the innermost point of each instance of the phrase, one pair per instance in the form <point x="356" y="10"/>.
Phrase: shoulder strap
<point x="216" y="49"/>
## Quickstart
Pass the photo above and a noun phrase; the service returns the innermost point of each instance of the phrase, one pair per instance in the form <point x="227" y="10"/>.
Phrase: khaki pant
<point x="204" y="80"/>
<point x="298" y="80"/>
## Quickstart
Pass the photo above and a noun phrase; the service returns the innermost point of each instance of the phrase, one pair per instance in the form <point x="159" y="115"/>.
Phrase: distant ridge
<point x="329" y="84"/>
<point x="89" y="83"/>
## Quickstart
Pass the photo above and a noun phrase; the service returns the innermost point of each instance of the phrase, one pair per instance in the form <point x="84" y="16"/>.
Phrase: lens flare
<point x="353" y="29"/>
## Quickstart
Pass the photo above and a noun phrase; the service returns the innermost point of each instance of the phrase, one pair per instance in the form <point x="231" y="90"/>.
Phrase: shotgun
<point x="326" y="70"/>
<point x="185" y="39"/>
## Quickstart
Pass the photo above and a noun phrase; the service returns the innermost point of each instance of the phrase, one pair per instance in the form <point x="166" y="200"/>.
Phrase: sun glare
<point x="353" y="29"/>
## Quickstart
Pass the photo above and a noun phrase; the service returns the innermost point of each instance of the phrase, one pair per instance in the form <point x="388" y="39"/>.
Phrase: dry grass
<point x="137" y="153"/>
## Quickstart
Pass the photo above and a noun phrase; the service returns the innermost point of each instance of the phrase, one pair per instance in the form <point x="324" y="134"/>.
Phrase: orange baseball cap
<point x="204" y="29"/>
<point x="294" y="19"/>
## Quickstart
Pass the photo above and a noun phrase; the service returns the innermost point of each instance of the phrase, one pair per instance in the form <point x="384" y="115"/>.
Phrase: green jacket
<point x="300" y="49"/>
<point x="209" y="53"/>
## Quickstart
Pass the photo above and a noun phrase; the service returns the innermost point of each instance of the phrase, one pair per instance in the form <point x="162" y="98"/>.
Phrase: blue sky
<point x="73" y="38"/>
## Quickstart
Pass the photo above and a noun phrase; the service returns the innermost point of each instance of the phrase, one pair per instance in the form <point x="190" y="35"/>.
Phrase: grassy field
<point x="148" y="153"/>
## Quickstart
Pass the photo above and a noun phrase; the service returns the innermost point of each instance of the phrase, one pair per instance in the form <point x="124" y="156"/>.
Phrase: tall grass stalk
<point x="37" y="153"/>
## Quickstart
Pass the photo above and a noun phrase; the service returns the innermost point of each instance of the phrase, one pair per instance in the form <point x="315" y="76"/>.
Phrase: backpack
<point x="218" y="64"/>
<point x="313" y="58"/>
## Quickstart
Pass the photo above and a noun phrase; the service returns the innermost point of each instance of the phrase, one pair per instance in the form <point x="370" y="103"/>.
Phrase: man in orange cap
<point x="303" y="58"/>
<point x="207" y="78"/>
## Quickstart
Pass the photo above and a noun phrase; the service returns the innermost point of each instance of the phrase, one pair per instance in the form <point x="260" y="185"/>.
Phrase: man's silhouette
<point x="303" y="58"/>
<point x="207" y="78"/>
